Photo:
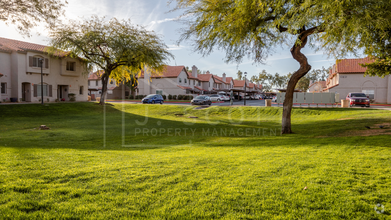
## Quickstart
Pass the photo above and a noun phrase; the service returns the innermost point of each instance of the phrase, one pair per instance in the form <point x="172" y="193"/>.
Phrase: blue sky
<point x="155" y="15"/>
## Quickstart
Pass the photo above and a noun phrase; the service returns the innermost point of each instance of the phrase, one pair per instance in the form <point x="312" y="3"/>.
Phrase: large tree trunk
<point x="105" y="80"/>
<point x="304" y="69"/>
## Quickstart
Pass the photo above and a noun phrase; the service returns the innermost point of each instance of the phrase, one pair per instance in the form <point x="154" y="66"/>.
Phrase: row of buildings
<point x="347" y="76"/>
<point x="174" y="80"/>
<point x="21" y="66"/>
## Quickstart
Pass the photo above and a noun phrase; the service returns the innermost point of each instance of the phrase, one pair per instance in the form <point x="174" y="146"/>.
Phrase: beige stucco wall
<point x="5" y="69"/>
<point x="357" y="82"/>
<point x="17" y="71"/>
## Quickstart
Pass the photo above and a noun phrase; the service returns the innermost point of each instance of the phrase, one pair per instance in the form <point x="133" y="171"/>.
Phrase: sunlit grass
<point x="69" y="172"/>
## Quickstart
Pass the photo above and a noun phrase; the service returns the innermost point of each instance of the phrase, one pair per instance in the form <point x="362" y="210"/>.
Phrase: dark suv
<point x="358" y="98"/>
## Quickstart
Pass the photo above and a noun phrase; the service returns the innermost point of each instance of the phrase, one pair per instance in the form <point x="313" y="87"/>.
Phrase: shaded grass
<point x="66" y="173"/>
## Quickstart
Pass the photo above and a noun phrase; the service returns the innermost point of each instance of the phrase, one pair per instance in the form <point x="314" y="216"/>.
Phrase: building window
<point x="89" y="83"/>
<point x="159" y="92"/>
<point x="3" y="88"/>
<point x="209" y="84"/>
<point x="185" y="80"/>
<point x="369" y="93"/>
<point x="45" y="90"/>
<point x="81" y="90"/>
<point x="180" y="80"/>
<point x="36" y="62"/>
<point x="71" y="66"/>
<point x="199" y="83"/>
<point x="96" y="83"/>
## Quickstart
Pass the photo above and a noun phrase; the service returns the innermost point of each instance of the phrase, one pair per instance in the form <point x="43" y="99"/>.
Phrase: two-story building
<point x="347" y="76"/>
<point x="21" y="64"/>
<point x="114" y="91"/>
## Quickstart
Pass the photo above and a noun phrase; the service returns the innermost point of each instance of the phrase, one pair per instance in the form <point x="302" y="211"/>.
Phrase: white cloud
<point x="175" y="47"/>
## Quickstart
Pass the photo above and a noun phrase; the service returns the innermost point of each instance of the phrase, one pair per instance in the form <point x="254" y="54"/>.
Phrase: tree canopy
<point x="253" y="28"/>
<point x="26" y="14"/>
<point x="380" y="53"/>
<point x="115" y="46"/>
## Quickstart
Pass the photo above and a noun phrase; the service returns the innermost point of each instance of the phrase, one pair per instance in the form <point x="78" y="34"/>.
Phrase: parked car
<point x="217" y="98"/>
<point x="274" y="99"/>
<point x="238" y="97"/>
<point x="226" y="98"/>
<point x="201" y="100"/>
<point x="257" y="97"/>
<point x="358" y="98"/>
<point x="152" y="99"/>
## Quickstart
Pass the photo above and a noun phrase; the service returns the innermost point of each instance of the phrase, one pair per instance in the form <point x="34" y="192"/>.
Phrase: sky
<point x="155" y="15"/>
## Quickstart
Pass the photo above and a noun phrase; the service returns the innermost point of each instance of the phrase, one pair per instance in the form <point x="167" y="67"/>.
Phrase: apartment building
<point x="21" y="64"/>
<point x="347" y="76"/>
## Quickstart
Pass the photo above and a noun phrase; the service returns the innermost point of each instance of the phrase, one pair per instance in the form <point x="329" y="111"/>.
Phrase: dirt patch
<point x="201" y="107"/>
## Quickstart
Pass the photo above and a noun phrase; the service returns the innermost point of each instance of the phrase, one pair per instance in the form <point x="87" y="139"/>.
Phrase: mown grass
<point x="142" y="170"/>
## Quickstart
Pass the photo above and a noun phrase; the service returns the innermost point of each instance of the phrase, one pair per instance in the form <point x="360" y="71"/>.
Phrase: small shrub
<point x="164" y="97"/>
<point x="131" y="97"/>
<point x="174" y="97"/>
<point x="170" y="97"/>
<point x="180" y="97"/>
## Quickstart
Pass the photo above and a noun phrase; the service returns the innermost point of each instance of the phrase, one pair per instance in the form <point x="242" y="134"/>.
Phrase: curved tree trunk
<point x="105" y="79"/>
<point x="304" y="69"/>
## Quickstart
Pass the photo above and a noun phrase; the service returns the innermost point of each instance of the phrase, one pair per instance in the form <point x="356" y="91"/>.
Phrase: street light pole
<point x="41" y="62"/>
<point x="245" y="85"/>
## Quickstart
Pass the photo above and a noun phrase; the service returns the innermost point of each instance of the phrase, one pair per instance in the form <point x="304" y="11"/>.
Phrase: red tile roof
<point x="351" y="65"/>
<point x="219" y="80"/>
<point x="228" y="79"/>
<point x="96" y="75"/>
<point x="191" y="75"/>
<point x="184" y="87"/>
<point x="15" y="45"/>
<point x="168" y="72"/>
<point x="238" y="83"/>
<point x="10" y="45"/>
<point x="204" y="77"/>
<point x="199" y="88"/>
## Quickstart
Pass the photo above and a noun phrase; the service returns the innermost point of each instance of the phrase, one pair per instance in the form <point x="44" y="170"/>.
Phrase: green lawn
<point x="241" y="168"/>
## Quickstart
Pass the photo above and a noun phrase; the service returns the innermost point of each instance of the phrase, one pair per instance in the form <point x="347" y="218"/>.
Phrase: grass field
<point x="183" y="163"/>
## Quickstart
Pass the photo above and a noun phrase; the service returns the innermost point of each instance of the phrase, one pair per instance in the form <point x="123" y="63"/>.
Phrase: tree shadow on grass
<point x="82" y="127"/>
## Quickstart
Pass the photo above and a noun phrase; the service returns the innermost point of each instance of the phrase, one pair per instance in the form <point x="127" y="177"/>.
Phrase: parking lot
<point x="261" y="103"/>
